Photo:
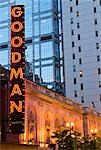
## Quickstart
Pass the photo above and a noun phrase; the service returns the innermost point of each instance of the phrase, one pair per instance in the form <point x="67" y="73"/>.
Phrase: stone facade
<point x="45" y="111"/>
<point x="91" y="120"/>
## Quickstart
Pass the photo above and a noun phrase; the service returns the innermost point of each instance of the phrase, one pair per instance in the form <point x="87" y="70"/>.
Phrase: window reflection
<point x="47" y="61"/>
<point x="36" y="51"/>
<point x="29" y="53"/>
<point x="36" y="28"/>
<point x="56" y="28"/>
<point x="46" y="49"/>
<point x="61" y="73"/>
<point x="5" y="2"/>
<point x="35" y="6"/>
<point x="45" y="14"/>
<point x="3" y="35"/>
<point x="46" y="26"/>
<point x="28" y="19"/>
<point x="37" y="63"/>
<point x="57" y="53"/>
<point x="47" y="74"/>
<point x="37" y="71"/>
<point x="11" y="1"/>
<point x="28" y="16"/>
<point x="3" y="24"/>
<point x="4" y="57"/>
<point x="4" y="15"/>
<point x="45" y="5"/>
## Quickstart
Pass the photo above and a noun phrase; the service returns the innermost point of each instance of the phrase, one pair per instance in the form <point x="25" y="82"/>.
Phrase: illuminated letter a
<point x="16" y="90"/>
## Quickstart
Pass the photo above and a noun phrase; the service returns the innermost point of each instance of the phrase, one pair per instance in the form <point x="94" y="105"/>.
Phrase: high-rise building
<point x="43" y="32"/>
<point x="82" y="50"/>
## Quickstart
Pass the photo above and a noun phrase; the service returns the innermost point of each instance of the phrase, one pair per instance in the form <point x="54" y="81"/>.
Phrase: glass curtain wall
<point x="43" y="33"/>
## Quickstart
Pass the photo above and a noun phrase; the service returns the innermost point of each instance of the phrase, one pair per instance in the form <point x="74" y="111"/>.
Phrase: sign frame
<point x="17" y="71"/>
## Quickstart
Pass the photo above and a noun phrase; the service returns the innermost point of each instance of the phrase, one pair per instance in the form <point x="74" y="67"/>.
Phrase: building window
<point x="71" y="20"/>
<point x="97" y="45"/>
<point x="78" y="25"/>
<point x="75" y="93"/>
<point x="99" y="70"/>
<point x="94" y="9"/>
<point x="96" y="33"/>
<point x="72" y="44"/>
<point x="100" y="2"/>
<point x="100" y="97"/>
<point x="76" y="2"/>
<point x="78" y="36"/>
<point x="47" y="73"/>
<point x="73" y="56"/>
<point x="98" y="58"/>
<point x="95" y="21"/>
<point x="46" y="26"/>
<point x="79" y="48"/>
<point x="4" y="58"/>
<point x="77" y="14"/>
<point x="72" y="32"/>
<point x="81" y="86"/>
<point x="36" y="51"/>
<point x="99" y="84"/>
<point x="74" y="80"/>
<point x="81" y="73"/>
<point x="36" y="28"/>
<point x="80" y="61"/>
<point x="82" y="99"/>
<point x="74" y="68"/>
<point x="71" y="9"/>
<point x="93" y="104"/>
<point x="45" y="52"/>
<point x="29" y="54"/>
<point x="44" y="5"/>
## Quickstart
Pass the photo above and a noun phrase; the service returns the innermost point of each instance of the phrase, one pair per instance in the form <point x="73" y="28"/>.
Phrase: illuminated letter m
<point x="16" y="73"/>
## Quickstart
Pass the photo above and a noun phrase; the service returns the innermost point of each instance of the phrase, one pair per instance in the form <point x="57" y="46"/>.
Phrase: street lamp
<point x="42" y="144"/>
<point x="70" y="125"/>
<point x="71" y="137"/>
<point x="53" y="134"/>
<point x="94" y="131"/>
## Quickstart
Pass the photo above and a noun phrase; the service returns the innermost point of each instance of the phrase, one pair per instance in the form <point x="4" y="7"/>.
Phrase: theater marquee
<point x="17" y="84"/>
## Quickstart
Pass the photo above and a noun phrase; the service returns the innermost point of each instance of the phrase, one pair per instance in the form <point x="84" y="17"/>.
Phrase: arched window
<point x="47" y="126"/>
<point x="32" y="122"/>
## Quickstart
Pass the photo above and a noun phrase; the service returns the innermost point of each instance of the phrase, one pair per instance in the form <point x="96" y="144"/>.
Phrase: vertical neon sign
<point x="17" y="83"/>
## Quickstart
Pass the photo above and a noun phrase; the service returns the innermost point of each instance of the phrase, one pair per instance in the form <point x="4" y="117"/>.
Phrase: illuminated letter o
<point x="20" y="26"/>
<point x="16" y="12"/>
<point x="16" y="38"/>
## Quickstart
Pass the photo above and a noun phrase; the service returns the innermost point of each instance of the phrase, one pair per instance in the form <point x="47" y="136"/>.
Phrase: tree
<point x="67" y="139"/>
<point x="72" y="140"/>
<point x="90" y="143"/>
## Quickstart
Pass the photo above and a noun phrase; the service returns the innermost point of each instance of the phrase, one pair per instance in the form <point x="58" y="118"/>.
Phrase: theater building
<point x="46" y="111"/>
<point x="4" y="75"/>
